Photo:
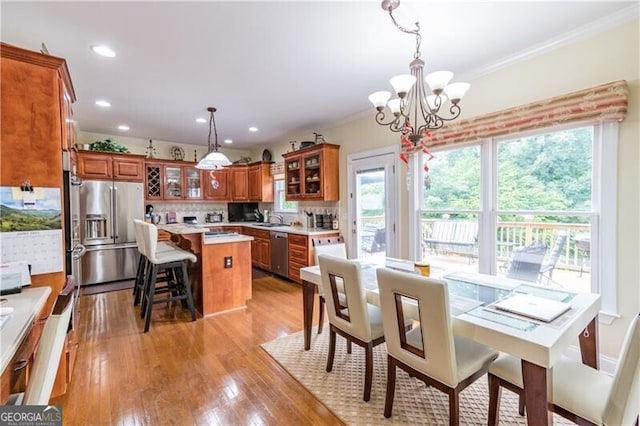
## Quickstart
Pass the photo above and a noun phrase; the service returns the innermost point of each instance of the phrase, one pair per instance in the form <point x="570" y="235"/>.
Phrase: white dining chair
<point x="330" y="246"/>
<point x="47" y="358"/>
<point x="429" y="352"/>
<point x="580" y="393"/>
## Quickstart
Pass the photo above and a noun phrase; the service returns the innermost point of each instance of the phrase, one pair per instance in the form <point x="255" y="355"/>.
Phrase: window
<point x="482" y="205"/>
<point x="281" y="205"/>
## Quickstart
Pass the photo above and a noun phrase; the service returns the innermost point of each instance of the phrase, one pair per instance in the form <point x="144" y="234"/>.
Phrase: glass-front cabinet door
<point x="293" y="177"/>
<point x="193" y="180"/>
<point x="173" y="182"/>
<point x="313" y="175"/>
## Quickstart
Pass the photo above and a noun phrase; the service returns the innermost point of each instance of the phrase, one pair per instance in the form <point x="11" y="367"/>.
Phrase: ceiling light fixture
<point x="123" y="127"/>
<point x="104" y="51"/>
<point x="253" y="129"/>
<point x="228" y="141"/>
<point x="416" y="111"/>
<point x="214" y="158"/>
<point x="200" y="120"/>
<point x="104" y="104"/>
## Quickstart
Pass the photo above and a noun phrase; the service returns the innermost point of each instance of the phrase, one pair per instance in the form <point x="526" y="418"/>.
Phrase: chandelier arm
<point x="415" y="32"/>
<point x="380" y="116"/>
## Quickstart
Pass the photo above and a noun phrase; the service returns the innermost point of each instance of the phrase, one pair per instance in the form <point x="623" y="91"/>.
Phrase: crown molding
<point x="608" y="22"/>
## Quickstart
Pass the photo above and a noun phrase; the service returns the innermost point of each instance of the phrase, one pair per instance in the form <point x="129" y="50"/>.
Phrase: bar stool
<point x="143" y="262"/>
<point x="174" y="263"/>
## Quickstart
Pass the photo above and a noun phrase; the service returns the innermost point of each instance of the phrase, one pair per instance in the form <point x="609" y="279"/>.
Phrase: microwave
<point x="242" y="212"/>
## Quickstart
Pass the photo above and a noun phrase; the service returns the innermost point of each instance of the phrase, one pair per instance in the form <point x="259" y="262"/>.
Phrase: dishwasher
<point x="280" y="253"/>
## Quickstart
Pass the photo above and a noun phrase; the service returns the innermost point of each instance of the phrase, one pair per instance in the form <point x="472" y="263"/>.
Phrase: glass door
<point x="373" y="205"/>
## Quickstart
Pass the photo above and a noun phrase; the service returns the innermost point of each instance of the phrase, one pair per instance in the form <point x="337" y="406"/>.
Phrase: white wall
<point x="603" y="58"/>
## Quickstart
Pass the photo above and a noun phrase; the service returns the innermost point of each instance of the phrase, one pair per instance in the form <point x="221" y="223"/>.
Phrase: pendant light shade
<point x="214" y="158"/>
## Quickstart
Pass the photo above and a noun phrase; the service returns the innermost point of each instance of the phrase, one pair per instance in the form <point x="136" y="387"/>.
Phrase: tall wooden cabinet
<point x="35" y="112"/>
<point x="107" y="166"/>
<point x="313" y="173"/>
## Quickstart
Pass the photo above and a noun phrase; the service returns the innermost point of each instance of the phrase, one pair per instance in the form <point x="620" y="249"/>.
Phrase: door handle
<point x="114" y="217"/>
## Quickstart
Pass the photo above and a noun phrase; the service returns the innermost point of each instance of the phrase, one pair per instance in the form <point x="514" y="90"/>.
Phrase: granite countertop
<point x="299" y="230"/>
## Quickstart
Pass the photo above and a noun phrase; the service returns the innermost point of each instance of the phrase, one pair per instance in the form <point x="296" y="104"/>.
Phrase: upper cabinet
<point x="172" y="180"/>
<point x="106" y="166"/>
<point x="260" y="182"/>
<point x="238" y="182"/>
<point x="216" y="185"/>
<point x="312" y="173"/>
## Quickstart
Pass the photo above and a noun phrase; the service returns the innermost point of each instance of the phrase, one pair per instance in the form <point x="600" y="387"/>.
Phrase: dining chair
<point x="49" y="352"/>
<point x="332" y="246"/>
<point x="429" y="352"/>
<point x="359" y="322"/>
<point x="580" y="393"/>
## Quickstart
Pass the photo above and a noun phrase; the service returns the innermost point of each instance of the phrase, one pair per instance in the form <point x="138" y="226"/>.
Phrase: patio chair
<point x="526" y="262"/>
<point x="378" y="243"/>
<point x="546" y="270"/>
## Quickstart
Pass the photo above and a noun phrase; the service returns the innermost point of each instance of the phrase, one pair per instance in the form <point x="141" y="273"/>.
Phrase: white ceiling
<point x="282" y="66"/>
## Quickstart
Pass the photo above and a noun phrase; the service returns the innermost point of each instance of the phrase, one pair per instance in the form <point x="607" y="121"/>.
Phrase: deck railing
<point x="517" y="234"/>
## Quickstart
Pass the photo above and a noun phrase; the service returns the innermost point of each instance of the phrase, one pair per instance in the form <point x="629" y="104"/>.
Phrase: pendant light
<point x="214" y="158"/>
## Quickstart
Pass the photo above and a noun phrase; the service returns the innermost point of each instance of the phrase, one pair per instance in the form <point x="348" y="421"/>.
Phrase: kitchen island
<point x="221" y="277"/>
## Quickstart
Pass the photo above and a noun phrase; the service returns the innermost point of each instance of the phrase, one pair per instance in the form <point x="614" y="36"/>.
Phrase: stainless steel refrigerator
<point x="107" y="210"/>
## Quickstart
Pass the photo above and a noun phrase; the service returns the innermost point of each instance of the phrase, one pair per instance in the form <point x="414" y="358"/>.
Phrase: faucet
<point x="277" y="216"/>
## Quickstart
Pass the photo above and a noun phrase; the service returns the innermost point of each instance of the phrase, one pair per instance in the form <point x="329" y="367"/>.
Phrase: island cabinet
<point x="173" y="181"/>
<point x="216" y="185"/>
<point x="108" y="166"/>
<point x="260" y="247"/>
<point x="313" y="173"/>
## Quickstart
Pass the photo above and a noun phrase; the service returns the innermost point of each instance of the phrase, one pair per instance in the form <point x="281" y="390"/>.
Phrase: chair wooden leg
<point x="320" y="313"/>
<point x="149" y="297"/>
<point x="332" y="349"/>
<point x="391" y="386"/>
<point x="368" y="371"/>
<point x="349" y="346"/>
<point x="494" y="400"/>
<point x="454" y="413"/>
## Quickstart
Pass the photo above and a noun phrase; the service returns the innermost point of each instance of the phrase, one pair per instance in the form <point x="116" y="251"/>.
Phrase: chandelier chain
<point x="415" y="32"/>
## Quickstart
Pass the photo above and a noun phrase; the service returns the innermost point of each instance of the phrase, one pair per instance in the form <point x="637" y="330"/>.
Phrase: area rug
<point x="105" y="288"/>
<point x="414" y="403"/>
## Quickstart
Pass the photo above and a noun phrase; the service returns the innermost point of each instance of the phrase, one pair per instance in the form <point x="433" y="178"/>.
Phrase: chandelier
<point x="214" y="158"/>
<point x="417" y="110"/>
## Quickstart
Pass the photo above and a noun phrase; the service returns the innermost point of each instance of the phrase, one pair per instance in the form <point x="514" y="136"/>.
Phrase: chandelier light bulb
<point x="395" y="106"/>
<point x="402" y="84"/>
<point x="379" y="99"/>
<point x="456" y="91"/>
<point x="438" y="80"/>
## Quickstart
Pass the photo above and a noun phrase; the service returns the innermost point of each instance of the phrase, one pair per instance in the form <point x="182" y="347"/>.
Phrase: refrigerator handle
<point x="115" y="212"/>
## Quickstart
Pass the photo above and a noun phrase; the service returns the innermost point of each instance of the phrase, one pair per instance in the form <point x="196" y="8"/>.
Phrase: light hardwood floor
<point x="211" y="371"/>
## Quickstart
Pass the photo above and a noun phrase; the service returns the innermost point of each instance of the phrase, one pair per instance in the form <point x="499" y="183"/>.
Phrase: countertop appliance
<point x="214" y="217"/>
<point x="190" y="220"/>
<point x="107" y="210"/>
<point x="242" y="212"/>
<point x="280" y="253"/>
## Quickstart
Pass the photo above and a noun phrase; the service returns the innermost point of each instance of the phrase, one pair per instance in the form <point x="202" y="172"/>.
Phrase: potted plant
<point x="107" y="145"/>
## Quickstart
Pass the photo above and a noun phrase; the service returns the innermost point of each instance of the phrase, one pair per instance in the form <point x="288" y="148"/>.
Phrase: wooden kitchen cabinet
<point x="238" y="177"/>
<point x="260" y="182"/>
<point x="107" y="166"/>
<point x="216" y="185"/>
<point x="260" y="247"/>
<point x="173" y="181"/>
<point x="301" y="253"/>
<point x="313" y="173"/>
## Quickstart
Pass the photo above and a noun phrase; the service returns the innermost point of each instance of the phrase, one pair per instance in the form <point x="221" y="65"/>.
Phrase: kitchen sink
<point x="270" y="225"/>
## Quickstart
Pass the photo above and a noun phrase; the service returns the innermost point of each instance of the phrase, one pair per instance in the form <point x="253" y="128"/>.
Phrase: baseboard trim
<point x="607" y="364"/>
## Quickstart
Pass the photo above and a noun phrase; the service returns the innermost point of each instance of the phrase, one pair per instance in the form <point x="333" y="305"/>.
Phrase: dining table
<point x="472" y="299"/>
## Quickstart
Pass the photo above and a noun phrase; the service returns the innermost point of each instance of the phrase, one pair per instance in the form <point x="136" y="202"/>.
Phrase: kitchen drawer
<point x="298" y="240"/>
<point x="298" y="254"/>
<point x="259" y="233"/>
<point x="294" y="271"/>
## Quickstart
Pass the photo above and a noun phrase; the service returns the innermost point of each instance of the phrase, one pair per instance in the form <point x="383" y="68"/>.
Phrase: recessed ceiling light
<point x="104" y="51"/>
<point x="123" y="127"/>
<point x="200" y="120"/>
<point x="228" y="141"/>
<point x="253" y="129"/>
<point x="103" y="104"/>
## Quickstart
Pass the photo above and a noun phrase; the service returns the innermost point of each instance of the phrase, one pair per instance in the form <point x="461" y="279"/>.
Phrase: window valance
<point x="607" y="102"/>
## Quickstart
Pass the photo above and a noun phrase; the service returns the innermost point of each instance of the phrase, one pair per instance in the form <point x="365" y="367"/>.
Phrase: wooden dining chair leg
<point x="187" y="290"/>
<point x="149" y="297"/>
<point x="520" y="404"/>
<point x="368" y="371"/>
<point x="454" y="413"/>
<point x="391" y="386"/>
<point x="332" y="349"/>
<point x="349" y="346"/>
<point x="320" y="313"/>
<point x="495" y="392"/>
